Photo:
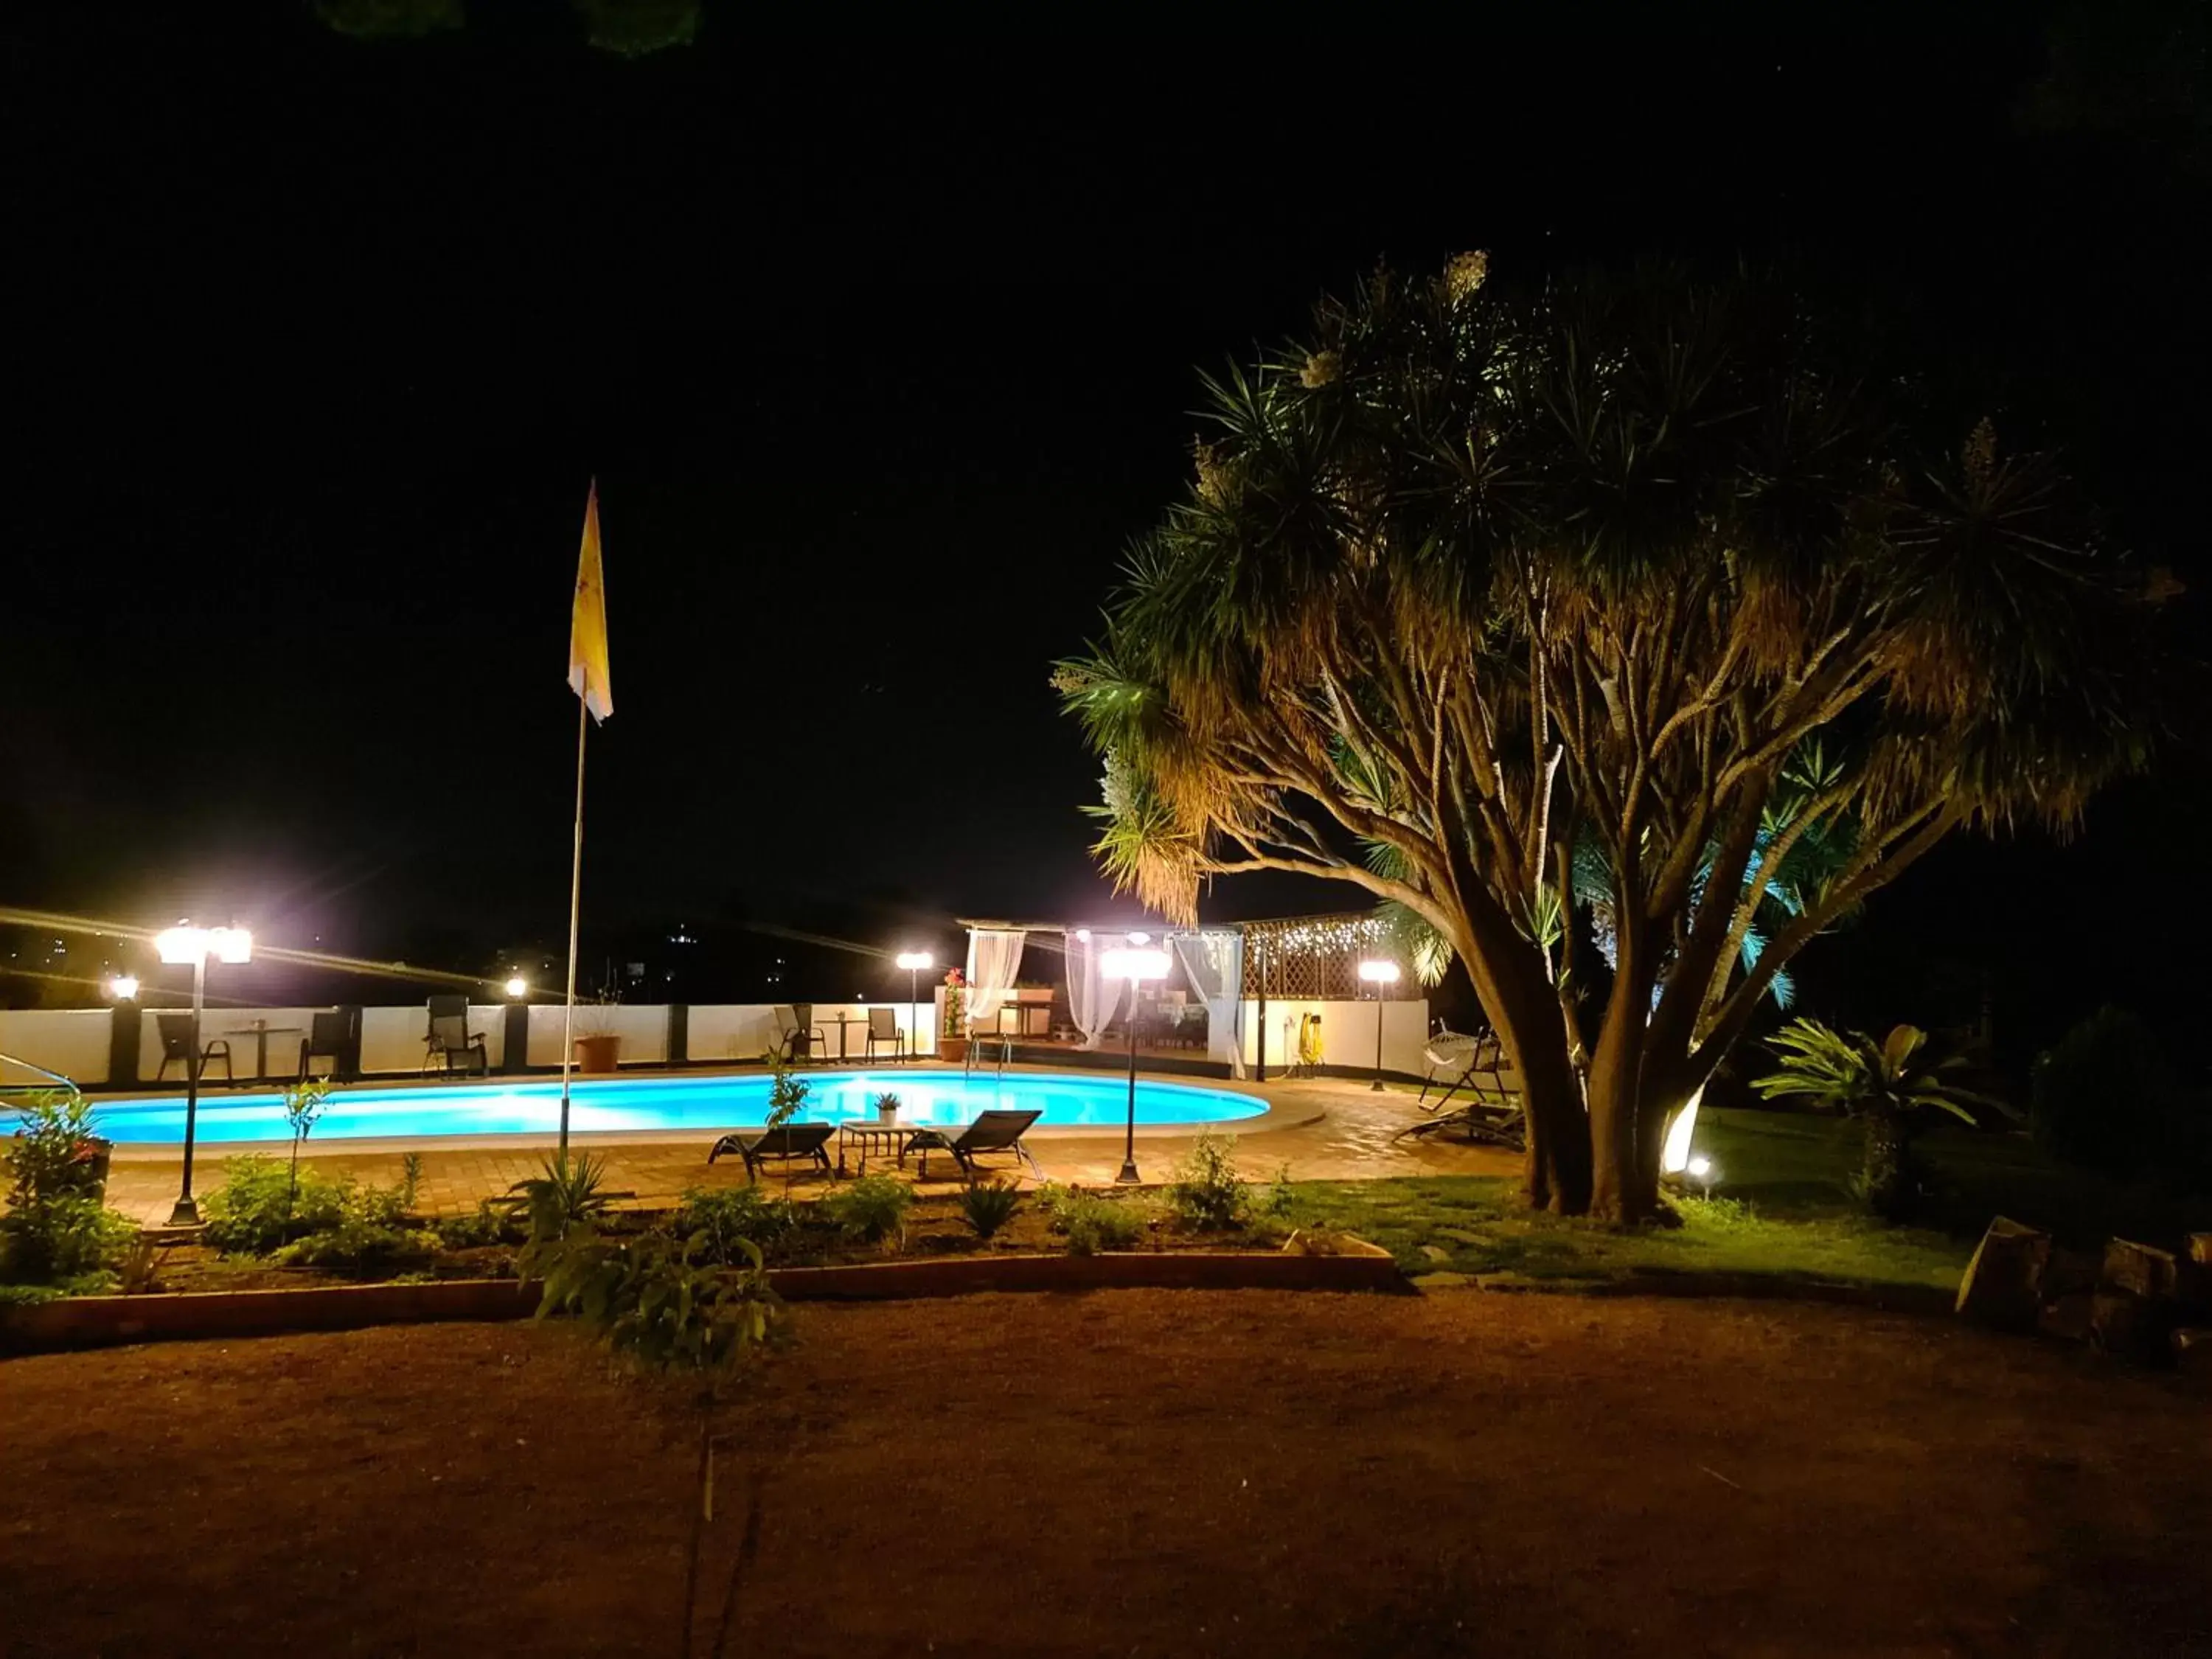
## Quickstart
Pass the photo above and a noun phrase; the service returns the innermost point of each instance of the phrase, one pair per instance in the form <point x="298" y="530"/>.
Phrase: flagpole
<point x="575" y="904"/>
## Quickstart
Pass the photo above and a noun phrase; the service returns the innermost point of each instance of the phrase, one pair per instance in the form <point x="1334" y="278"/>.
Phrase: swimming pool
<point x="700" y="1104"/>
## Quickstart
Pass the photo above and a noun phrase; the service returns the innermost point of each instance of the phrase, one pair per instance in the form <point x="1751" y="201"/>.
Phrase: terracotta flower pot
<point x="952" y="1050"/>
<point x="598" y="1054"/>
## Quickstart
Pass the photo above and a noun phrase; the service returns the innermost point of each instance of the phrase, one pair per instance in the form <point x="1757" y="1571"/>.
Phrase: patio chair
<point x="796" y="1041"/>
<point x="807" y="1141"/>
<point x="1491" y="1116"/>
<point x="1466" y="1060"/>
<point x="450" y="1039"/>
<point x="884" y="1027"/>
<point x="999" y="1130"/>
<point x="330" y="1037"/>
<point x="176" y="1031"/>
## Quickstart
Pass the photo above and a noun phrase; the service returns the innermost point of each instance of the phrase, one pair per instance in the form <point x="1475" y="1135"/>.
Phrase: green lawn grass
<point x="1476" y="1224"/>
<point x="1800" y="1164"/>
<point x="1782" y="1206"/>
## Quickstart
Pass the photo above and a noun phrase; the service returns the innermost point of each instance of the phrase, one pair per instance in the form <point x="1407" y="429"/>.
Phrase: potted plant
<point x="599" y="1046"/>
<point x="952" y="1041"/>
<point x="887" y="1107"/>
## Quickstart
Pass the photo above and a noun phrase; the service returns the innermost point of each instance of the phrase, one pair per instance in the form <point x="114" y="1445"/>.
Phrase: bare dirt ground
<point x="1132" y="1473"/>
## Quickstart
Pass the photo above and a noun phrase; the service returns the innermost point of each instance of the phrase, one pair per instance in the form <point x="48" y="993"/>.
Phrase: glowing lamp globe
<point x="1133" y="964"/>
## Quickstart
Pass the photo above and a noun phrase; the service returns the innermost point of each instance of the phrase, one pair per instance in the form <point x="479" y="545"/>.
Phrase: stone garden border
<point x="84" y="1321"/>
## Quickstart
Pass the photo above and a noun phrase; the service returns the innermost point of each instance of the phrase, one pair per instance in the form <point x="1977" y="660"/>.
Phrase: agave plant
<point x="1889" y="1085"/>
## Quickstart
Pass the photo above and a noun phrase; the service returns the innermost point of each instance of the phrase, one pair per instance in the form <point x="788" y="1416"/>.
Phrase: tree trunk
<point x="1615" y="1087"/>
<point x="1516" y="991"/>
<point x="1891" y="1183"/>
<point x="1555" y="1171"/>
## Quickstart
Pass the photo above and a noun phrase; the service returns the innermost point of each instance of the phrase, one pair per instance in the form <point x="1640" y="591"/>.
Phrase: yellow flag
<point x="587" y="622"/>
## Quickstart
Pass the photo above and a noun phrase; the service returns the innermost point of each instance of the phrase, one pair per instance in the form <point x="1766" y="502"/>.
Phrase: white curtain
<point x="1092" y="999"/>
<point x="1214" y="964"/>
<point x="994" y="958"/>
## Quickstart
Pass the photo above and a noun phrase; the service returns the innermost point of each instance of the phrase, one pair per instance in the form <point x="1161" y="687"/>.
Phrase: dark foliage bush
<point x="2106" y="1098"/>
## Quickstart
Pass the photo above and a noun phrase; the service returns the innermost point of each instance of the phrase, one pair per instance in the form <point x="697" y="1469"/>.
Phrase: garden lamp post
<point x="1381" y="975"/>
<point x="1136" y="965"/>
<point x="185" y="943"/>
<point x="913" y="962"/>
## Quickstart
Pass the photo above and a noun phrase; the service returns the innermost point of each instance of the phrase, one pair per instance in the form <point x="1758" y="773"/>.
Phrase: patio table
<point x="841" y="1022"/>
<point x="259" y="1031"/>
<point x="869" y="1133"/>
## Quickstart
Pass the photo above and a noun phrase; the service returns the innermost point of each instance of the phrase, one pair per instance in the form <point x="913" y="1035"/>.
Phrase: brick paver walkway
<point x="1352" y="1141"/>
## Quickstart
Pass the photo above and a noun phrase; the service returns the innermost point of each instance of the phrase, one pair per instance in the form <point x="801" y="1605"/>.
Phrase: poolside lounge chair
<point x="1467" y="1061"/>
<point x="808" y="1141"/>
<point x="450" y="1039"/>
<point x="996" y="1131"/>
<point x="795" y="1040"/>
<point x="1492" y="1116"/>
<point x="884" y="1027"/>
<point x="176" y="1031"/>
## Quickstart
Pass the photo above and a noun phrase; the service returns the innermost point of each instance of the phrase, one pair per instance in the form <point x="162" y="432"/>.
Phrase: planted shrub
<point x="370" y="1231"/>
<point x="1093" y="1224"/>
<point x="1207" y="1191"/>
<point x="564" y="1194"/>
<point x="73" y="1240"/>
<point x="58" y="1230"/>
<point x="987" y="1206"/>
<point x="658" y="1306"/>
<point x="368" y="1236"/>
<point x="873" y="1209"/>
<point x="487" y="1224"/>
<point x="256" y="1210"/>
<point x="724" y="1219"/>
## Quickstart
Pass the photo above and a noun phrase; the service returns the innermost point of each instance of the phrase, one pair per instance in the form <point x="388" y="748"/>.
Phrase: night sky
<point x="880" y="352"/>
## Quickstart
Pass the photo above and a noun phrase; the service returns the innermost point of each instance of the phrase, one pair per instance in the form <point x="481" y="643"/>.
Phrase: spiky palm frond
<point x="1853" y="1073"/>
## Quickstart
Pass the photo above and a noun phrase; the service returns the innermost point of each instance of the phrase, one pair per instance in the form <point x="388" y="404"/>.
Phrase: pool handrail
<point x="6" y="1087"/>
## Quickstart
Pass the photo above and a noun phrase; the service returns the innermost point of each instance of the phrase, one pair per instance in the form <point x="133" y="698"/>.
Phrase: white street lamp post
<point x="185" y="943"/>
<point x="1381" y="975"/>
<point x="1135" y="965"/>
<point x="913" y="962"/>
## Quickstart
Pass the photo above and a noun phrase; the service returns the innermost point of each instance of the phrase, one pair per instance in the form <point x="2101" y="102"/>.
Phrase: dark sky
<point x="880" y="351"/>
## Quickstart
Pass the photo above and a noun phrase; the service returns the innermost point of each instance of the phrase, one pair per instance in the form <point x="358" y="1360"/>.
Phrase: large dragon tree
<point x="1593" y="614"/>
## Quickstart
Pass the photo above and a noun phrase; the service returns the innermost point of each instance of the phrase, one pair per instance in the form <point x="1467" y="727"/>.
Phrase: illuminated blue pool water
<point x="701" y="1103"/>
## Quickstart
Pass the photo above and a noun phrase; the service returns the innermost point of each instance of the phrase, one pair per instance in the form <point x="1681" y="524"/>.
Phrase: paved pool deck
<point x="1324" y="1129"/>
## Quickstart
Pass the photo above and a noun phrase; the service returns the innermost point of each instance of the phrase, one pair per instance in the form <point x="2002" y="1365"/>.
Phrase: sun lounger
<point x="806" y="1142"/>
<point x="995" y="1131"/>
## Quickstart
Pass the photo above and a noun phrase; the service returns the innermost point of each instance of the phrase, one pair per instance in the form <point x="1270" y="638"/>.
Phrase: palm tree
<point x="1642" y="610"/>
<point x="1889" y="1086"/>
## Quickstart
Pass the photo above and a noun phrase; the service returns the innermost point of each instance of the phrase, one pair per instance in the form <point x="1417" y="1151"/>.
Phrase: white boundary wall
<point x="71" y="1041"/>
<point x="1347" y="1034"/>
